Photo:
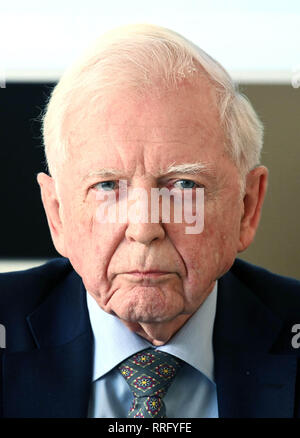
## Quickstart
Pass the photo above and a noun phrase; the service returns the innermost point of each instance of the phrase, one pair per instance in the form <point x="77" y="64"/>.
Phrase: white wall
<point x="19" y="264"/>
<point x="253" y="39"/>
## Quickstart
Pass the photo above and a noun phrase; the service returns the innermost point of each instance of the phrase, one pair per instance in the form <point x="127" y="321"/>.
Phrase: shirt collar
<point x="114" y="342"/>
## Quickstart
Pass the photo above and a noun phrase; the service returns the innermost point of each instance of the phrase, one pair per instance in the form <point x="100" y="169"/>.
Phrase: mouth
<point x="147" y="274"/>
<point x="152" y="276"/>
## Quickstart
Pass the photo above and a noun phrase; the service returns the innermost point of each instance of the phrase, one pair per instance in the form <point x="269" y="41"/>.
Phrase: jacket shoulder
<point x="281" y="293"/>
<point x="22" y="291"/>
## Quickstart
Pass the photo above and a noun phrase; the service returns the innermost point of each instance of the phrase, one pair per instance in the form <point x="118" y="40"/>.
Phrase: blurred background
<point x="258" y="42"/>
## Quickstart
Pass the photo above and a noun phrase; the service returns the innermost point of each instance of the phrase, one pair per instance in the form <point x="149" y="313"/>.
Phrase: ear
<point x="52" y="209"/>
<point x="256" y="187"/>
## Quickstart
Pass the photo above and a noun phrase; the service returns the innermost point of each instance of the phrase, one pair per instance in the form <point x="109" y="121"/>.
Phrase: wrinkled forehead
<point x="171" y="116"/>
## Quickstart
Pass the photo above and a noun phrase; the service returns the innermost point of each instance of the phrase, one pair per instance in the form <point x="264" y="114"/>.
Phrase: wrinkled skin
<point x="141" y="138"/>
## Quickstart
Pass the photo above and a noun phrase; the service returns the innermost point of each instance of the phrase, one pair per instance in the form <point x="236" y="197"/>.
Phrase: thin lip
<point x="148" y="272"/>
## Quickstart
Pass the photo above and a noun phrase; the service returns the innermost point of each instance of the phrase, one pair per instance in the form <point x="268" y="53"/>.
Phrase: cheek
<point x="210" y="254"/>
<point x="77" y="227"/>
<point x="82" y="229"/>
<point x="90" y="246"/>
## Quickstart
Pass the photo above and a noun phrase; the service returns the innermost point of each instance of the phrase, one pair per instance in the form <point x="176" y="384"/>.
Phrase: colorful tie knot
<point x="149" y="374"/>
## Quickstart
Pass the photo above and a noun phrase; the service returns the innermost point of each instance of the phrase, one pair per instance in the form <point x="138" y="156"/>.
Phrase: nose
<point x="144" y="233"/>
<point x="144" y="230"/>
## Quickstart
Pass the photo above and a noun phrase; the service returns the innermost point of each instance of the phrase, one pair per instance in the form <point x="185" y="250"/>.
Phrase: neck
<point x="158" y="333"/>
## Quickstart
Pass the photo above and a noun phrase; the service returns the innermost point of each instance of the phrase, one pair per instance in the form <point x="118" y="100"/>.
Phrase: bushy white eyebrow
<point x="190" y="168"/>
<point x="184" y="168"/>
<point x="104" y="173"/>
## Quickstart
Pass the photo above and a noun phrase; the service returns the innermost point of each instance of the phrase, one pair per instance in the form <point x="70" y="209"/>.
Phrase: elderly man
<point x="144" y="317"/>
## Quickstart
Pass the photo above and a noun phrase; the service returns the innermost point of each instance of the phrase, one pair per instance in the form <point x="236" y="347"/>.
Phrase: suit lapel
<point x="54" y="379"/>
<point x="251" y="381"/>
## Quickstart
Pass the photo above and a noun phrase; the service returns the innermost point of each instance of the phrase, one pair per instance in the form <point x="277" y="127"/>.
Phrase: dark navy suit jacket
<point x="46" y="367"/>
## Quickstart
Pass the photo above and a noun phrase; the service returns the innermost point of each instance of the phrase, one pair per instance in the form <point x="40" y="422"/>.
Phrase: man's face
<point x="140" y="139"/>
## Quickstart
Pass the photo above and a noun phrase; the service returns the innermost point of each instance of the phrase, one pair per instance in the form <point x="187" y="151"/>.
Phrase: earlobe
<point x="52" y="208"/>
<point x="256" y="186"/>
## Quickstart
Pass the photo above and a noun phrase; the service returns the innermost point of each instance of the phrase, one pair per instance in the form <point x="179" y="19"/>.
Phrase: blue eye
<point x="185" y="184"/>
<point x="106" y="185"/>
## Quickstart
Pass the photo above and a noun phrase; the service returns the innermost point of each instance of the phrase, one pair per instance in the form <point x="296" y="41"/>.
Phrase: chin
<point x="139" y="315"/>
<point x="146" y="315"/>
<point x="146" y="305"/>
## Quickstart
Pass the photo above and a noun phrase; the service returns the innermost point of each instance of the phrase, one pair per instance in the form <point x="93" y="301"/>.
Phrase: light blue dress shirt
<point x="193" y="392"/>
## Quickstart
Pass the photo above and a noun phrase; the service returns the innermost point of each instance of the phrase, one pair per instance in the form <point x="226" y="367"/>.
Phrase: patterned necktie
<point x="149" y="374"/>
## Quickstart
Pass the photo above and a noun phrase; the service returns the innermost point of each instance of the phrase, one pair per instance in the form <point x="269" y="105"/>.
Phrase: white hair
<point x="141" y="58"/>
